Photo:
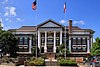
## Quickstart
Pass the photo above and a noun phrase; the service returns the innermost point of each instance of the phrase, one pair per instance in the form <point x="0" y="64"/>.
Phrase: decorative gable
<point x="50" y="23"/>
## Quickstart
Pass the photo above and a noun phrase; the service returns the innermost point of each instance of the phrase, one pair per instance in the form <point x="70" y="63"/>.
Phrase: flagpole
<point x="65" y="27"/>
<point x="36" y="30"/>
<point x="65" y="42"/>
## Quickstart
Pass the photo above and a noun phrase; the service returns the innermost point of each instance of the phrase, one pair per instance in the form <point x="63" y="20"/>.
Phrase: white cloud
<point x="18" y="19"/>
<point x="2" y="24"/>
<point x="9" y="20"/>
<point x="10" y="11"/>
<point x="6" y="13"/>
<point x="81" y="22"/>
<point x="1" y="19"/>
<point x="4" y="2"/>
<point x="75" y="22"/>
<point x="63" y="21"/>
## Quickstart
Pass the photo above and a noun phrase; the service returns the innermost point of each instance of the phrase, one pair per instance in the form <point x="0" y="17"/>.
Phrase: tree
<point x="8" y="43"/>
<point x="96" y="47"/>
<point x="33" y="50"/>
<point x="62" y="50"/>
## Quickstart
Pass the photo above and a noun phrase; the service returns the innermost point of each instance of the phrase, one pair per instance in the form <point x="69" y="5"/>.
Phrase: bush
<point x="44" y="56"/>
<point x="67" y="62"/>
<point x="59" y="58"/>
<point x="62" y="62"/>
<point x="36" y="62"/>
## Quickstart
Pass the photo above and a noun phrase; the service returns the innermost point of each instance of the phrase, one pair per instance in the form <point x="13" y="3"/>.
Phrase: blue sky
<point x="84" y="13"/>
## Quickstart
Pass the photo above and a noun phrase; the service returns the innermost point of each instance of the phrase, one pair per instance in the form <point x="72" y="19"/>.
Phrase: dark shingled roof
<point x="74" y="28"/>
<point x="24" y="28"/>
<point x="33" y="28"/>
<point x="12" y="30"/>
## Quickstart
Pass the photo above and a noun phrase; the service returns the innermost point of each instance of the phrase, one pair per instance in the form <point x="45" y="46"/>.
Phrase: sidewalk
<point x="80" y="65"/>
<point x="32" y="66"/>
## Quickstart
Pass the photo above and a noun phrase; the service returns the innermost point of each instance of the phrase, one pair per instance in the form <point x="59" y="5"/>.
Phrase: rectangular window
<point x="57" y="41"/>
<point x="84" y="48"/>
<point x="25" y="40"/>
<point x="49" y="40"/>
<point x="74" y="48"/>
<point x="79" y="41"/>
<point x="79" y="48"/>
<point x="84" y="41"/>
<point x="42" y="41"/>
<point x="74" y="41"/>
<point x="57" y="34"/>
<point x="21" y="40"/>
<point x="42" y="34"/>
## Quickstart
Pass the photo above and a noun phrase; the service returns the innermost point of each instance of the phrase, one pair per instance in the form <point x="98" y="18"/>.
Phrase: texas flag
<point x="34" y="5"/>
<point x="65" y="7"/>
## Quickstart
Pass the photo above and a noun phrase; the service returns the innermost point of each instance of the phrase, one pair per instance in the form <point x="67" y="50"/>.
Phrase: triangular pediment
<point x="50" y="23"/>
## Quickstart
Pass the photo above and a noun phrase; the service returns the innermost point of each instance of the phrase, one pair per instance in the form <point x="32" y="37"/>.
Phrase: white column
<point x="88" y="50"/>
<point x="60" y="37"/>
<point x="55" y="41"/>
<point x="91" y="41"/>
<point x="70" y="44"/>
<point x="45" y="46"/>
<point x="30" y="44"/>
<point x="39" y="39"/>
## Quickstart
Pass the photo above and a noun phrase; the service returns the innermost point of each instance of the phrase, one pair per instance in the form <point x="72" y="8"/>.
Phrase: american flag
<point x="34" y="5"/>
<point x="65" y="7"/>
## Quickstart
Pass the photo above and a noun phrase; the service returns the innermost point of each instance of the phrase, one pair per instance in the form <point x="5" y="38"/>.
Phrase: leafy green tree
<point x="62" y="50"/>
<point x="33" y="50"/>
<point x="8" y="43"/>
<point x="96" y="47"/>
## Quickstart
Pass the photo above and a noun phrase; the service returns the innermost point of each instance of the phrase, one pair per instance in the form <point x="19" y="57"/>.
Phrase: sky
<point x="84" y="13"/>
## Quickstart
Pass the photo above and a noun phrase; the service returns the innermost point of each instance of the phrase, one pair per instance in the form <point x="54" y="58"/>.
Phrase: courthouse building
<point x="49" y="35"/>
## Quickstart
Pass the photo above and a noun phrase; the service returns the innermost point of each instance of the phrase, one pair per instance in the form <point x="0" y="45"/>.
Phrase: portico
<point x="49" y="40"/>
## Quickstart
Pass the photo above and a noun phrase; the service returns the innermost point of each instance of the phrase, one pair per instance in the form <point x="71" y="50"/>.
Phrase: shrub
<point x="67" y="62"/>
<point x="36" y="62"/>
<point x="62" y="62"/>
<point x="44" y="56"/>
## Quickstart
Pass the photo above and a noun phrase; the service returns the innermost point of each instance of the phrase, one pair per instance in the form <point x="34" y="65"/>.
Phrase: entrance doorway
<point x="50" y="55"/>
<point x="50" y="48"/>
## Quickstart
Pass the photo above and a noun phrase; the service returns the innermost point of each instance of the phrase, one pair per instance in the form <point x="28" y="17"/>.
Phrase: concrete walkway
<point x="80" y="65"/>
<point x="32" y="66"/>
<point x="35" y="66"/>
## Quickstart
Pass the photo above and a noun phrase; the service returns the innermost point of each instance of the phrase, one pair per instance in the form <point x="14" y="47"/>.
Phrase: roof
<point x="12" y="30"/>
<point x="50" y="20"/>
<point x="24" y="28"/>
<point x="34" y="28"/>
<point x="28" y="28"/>
<point x="74" y="28"/>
